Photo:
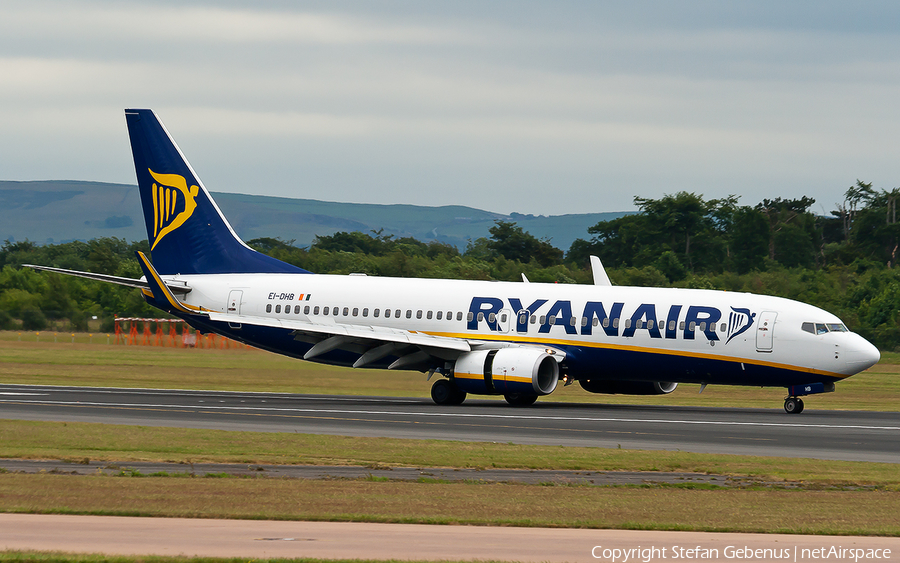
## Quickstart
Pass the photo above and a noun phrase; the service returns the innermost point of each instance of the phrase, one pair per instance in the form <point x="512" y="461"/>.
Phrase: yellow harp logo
<point x="173" y="204"/>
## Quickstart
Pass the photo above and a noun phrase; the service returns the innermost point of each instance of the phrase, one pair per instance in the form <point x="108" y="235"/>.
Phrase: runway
<point x="839" y="435"/>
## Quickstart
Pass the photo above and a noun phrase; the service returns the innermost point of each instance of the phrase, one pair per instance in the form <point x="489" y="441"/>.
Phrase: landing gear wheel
<point x="444" y="392"/>
<point x="520" y="400"/>
<point x="793" y="405"/>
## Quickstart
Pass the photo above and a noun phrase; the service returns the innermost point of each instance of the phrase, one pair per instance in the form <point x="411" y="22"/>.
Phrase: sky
<point x="546" y="107"/>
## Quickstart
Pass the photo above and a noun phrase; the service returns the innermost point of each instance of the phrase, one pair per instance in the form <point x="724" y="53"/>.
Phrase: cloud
<point x="187" y="24"/>
<point x="494" y="104"/>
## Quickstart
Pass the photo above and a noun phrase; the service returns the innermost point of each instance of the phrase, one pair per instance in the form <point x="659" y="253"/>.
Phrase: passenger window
<point x="605" y="322"/>
<point x="450" y="316"/>
<point x="627" y="323"/>
<point x="503" y="317"/>
<point x="409" y="313"/>
<point x="346" y="311"/>
<point x="470" y="316"/>
<point x="523" y="319"/>
<point x="492" y="318"/>
<point x="722" y="327"/>
<point x="356" y="311"/>
<point x="419" y="314"/>
<point x="671" y="325"/>
<point x="651" y="323"/>
<point x="692" y="326"/>
<point x="269" y="308"/>
<point x="334" y="311"/>
<point x="681" y="326"/>
<point x="365" y="311"/>
<point x="552" y="320"/>
<point x="297" y="309"/>
<point x="306" y="310"/>
<point x="703" y="326"/>
<point x="616" y="322"/>
<point x="820" y="327"/>
<point x="278" y="309"/>
<point x="480" y="317"/>
<point x="376" y="312"/>
<point x="543" y="319"/>
<point x="440" y="315"/>
<point x="428" y="315"/>
<point x="316" y="310"/>
<point x="397" y="313"/>
<point x="325" y="310"/>
<point x="459" y="315"/>
<point x="533" y="319"/>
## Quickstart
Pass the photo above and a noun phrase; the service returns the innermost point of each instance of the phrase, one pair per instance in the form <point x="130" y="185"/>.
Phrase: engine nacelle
<point x="620" y="387"/>
<point x="526" y="371"/>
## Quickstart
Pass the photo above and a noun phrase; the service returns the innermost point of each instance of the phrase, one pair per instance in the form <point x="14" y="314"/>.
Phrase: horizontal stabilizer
<point x="160" y="292"/>
<point x="140" y="284"/>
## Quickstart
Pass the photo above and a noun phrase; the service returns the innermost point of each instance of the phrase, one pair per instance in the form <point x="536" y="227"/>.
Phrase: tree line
<point x="844" y="263"/>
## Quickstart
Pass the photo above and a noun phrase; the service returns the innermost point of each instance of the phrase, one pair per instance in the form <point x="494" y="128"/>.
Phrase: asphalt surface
<point x="841" y="435"/>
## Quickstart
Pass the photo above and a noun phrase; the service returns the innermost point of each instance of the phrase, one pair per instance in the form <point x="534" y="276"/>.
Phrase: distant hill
<point x="60" y="211"/>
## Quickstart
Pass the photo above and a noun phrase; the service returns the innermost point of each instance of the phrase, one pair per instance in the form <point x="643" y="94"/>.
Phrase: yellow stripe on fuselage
<point x="626" y="348"/>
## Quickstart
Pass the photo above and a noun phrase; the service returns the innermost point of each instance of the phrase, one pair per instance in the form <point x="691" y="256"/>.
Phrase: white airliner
<point x="519" y="340"/>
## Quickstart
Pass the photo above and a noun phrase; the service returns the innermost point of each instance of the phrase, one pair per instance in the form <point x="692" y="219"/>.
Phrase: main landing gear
<point x="520" y="400"/>
<point x="793" y="405"/>
<point x="444" y="392"/>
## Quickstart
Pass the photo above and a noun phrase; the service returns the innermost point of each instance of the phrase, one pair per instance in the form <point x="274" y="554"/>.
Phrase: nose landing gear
<point x="793" y="405"/>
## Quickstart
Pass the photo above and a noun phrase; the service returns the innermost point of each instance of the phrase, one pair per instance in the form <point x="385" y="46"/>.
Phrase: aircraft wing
<point x="372" y="343"/>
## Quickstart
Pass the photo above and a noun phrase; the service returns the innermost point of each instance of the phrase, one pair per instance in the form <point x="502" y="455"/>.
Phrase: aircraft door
<point x="233" y="307"/>
<point x="765" y="329"/>
<point x="234" y="302"/>
<point x="504" y="319"/>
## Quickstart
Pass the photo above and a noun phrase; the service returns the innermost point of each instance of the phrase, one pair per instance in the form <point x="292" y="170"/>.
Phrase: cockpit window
<point x="823" y="328"/>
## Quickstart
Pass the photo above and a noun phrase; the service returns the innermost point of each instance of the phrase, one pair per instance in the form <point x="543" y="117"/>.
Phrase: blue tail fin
<point x="187" y="232"/>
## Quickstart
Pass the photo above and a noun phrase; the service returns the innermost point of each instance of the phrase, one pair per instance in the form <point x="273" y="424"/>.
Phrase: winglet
<point x="600" y="277"/>
<point x="160" y="292"/>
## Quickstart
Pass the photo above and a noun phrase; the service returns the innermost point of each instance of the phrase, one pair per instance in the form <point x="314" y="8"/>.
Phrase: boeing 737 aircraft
<point x="518" y="340"/>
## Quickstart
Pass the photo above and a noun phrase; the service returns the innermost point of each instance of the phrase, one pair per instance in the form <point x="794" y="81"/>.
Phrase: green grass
<point x="645" y="508"/>
<point x="82" y="364"/>
<point x="103" y="442"/>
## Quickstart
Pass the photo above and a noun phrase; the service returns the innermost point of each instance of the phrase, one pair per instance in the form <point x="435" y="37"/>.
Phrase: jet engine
<point x="507" y="371"/>
<point x="620" y="387"/>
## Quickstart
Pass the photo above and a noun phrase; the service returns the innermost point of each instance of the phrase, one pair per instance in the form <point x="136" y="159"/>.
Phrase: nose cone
<point x="862" y="355"/>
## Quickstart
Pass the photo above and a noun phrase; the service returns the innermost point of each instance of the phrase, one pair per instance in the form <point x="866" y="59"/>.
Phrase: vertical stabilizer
<point x="187" y="232"/>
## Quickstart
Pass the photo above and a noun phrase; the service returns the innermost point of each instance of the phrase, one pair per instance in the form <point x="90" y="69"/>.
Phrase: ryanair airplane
<point x="519" y="340"/>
